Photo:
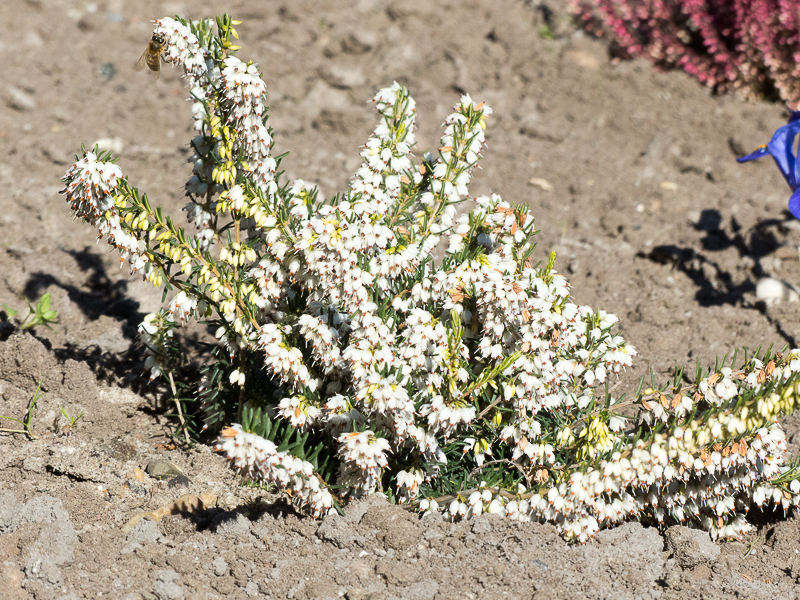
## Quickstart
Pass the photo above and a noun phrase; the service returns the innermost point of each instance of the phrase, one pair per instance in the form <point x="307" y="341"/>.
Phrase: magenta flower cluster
<point x="747" y="45"/>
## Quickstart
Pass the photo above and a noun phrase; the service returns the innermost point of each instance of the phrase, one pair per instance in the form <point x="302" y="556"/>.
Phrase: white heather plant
<point x="354" y="362"/>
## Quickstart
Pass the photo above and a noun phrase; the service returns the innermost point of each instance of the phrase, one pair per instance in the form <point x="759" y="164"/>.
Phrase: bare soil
<point x="630" y="174"/>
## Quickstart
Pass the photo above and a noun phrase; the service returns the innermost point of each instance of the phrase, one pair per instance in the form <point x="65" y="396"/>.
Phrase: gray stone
<point x="220" y="566"/>
<point x="231" y="526"/>
<point x="56" y="542"/>
<point x="145" y="532"/>
<point x="251" y="589"/>
<point x="421" y="590"/>
<point x="55" y="545"/>
<point x="166" y="586"/>
<point x="338" y="531"/>
<point x="9" y="507"/>
<point x="40" y="509"/>
<point x="691" y="547"/>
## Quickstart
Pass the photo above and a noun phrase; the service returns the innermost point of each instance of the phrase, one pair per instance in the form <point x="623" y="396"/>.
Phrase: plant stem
<point x="25" y="431"/>
<point x="180" y="410"/>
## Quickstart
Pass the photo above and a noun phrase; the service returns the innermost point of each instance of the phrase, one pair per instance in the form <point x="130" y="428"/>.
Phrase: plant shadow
<point x="228" y="521"/>
<point x="99" y="295"/>
<point x="716" y="286"/>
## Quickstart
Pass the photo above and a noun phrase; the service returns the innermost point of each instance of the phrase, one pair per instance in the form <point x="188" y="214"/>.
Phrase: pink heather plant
<point x="747" y="45"/>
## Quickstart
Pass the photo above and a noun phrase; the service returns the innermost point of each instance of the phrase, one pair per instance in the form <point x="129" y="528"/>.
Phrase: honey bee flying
<point x="152" y="54"/>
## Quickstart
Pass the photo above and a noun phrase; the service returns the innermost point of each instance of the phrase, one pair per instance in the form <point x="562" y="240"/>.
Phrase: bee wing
<point x="142" y="61"/>
<point x="157" y="70"/>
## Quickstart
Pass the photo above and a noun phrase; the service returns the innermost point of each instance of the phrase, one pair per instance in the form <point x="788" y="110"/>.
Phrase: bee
<point x="152" y="54"/>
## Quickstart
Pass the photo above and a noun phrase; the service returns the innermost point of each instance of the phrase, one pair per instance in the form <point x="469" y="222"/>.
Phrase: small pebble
<point x="107" y="71"/>
<point x="770" y="290"/>
<point x="342" y="77"/>
<point x="178" y="480"/>
<point x="112" y="144"/>
<point x="220" y="566"/>
<point x="359" y="42"/>
<point x="162" y="469"/>
<point x="19" y="100"/>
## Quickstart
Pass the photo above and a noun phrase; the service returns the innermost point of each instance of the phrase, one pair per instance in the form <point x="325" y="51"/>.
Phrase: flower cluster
<point x="363" y="460"/>
<point x="748" y="45"/>
<point x="466" y="380"/>
<point x="182" y="46"/>
<point x="244" y="95"/>
<point x="92" y="192"/>
<point x="680" y="477"/>
<point x="255" y="457"/>
<point x="156" y="337"/>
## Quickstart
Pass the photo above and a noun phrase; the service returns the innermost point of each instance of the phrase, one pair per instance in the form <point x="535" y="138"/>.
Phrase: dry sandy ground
<point x="631" y="177"/>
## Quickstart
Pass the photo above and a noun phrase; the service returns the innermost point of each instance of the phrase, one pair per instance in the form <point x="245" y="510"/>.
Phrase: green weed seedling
<point x="40" y="314"/>
<point x="27" y="422"/>
<point x="70" y="420"/>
